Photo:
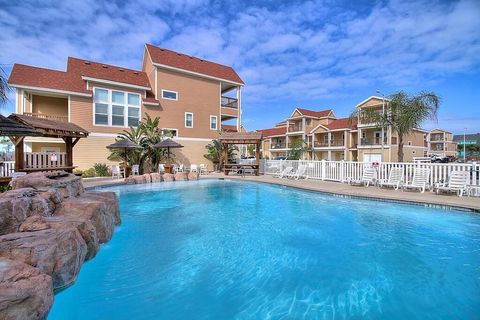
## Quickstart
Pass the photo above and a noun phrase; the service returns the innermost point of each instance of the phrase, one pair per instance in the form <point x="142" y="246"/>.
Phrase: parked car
<point x="280" y="158"/>
<point x="439" y="159"/>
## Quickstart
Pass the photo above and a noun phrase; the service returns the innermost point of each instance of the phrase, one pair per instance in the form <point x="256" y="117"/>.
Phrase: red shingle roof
<point x="343" y="123"/>
<point x="277" y="131"/>
<point x="108" y="72"/>
<point x="193" y="64"/>
<point x="317" y="114"/>
<point x="46" y="78"/>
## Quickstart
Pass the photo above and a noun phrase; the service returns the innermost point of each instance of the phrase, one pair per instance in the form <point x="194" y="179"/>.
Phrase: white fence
<point x="44" y="160"/>
<point x="341" y="171"/>
<point x="6" y="168"/>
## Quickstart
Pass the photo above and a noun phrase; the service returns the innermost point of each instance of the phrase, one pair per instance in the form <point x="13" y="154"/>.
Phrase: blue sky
<point x="313" y="54"/>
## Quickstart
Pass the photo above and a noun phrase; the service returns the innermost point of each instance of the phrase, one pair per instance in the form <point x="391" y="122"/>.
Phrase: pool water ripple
<point x="236" y="250"/>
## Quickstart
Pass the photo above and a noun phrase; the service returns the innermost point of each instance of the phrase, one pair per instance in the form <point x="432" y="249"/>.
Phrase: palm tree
<point x="403" y="113"/>
<point x="297" y="148"/>
<point x="4" y="88"/>
<point x="215" y="153"/>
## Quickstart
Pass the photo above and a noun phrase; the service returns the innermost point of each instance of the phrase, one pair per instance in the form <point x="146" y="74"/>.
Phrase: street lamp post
<point x="383" y="114"/>
<point x="464" y="145"/>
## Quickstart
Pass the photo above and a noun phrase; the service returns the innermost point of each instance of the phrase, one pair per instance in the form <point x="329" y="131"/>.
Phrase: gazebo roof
<point x="123" y="144"/>
<point x="241" y="137"/>
<point x="50" y="128"/>
<point x="11" y="128"/>
<point x="168" y="143"/>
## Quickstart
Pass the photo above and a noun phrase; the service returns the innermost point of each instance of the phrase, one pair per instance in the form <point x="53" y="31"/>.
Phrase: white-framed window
<point x="169" y="95"/>
<point x="188" y="120"/>
<point x="213" y="123"/>
<point x="170" y="132"/>
<point x="115" y="108"/>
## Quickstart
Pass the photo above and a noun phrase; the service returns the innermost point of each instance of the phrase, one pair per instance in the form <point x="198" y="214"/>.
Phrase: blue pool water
<point x="236" y="250"/>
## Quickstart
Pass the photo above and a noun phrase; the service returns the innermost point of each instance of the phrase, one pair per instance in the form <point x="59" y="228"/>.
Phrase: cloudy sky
<point x="313" y="54"/>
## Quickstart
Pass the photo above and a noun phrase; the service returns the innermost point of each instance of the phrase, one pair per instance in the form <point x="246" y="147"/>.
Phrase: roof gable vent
<point x="104" y="66"/>
<point x="87" y="62"/>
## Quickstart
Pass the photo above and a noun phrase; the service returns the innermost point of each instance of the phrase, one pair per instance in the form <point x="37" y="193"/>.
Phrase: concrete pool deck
<point x="341" y="189"/>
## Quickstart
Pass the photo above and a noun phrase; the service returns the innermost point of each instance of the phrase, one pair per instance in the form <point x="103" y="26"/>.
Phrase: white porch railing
<point x="6" y="168"/>
<point x="341" y="171"/>
<point x="44" y="160"/>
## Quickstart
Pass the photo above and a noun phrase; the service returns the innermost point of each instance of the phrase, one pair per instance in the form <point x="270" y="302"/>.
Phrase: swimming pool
<point x="236" y="250"/>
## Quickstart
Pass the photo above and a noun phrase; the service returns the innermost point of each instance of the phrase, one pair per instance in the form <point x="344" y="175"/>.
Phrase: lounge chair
<point x="395" y="179"/>
<point x="116" y="171"/>
<point x="180" y="168"/>
<point x="161" y="168"/>
<point x="300" y="173"/>
<point x="284" y="172"/>
<point x="421" y="178"/>
<point x="368" y="178"/>
<point x="203" y="168"/>
<point x="457" y="182"/>
<point x="193" y="168"/>
<point x="136" y="169"/>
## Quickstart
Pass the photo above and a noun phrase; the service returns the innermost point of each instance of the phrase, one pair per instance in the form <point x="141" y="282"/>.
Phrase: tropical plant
<point x="403" y="113"/>
<point x="297" y="149"/>
<point x="251" y="149"/>
<point x="4" y="88"/>
<point x="101" y="170"/>
<point x="89" y="173"/>
<point x="146" y="135"/>
<point x="216" y="153"/>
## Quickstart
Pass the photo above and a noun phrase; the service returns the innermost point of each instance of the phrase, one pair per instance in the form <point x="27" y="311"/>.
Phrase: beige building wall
<point x="50" y="105"/>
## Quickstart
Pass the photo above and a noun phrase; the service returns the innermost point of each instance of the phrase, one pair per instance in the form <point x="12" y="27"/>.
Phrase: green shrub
<point x="78" y="172"/>
<point x="89" y="173"/>
<point x="4" y="188"/>
<point x="101" y="170"/>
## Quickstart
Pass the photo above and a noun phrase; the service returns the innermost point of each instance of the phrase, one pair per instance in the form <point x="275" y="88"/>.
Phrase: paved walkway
<point x="472" y="203"/>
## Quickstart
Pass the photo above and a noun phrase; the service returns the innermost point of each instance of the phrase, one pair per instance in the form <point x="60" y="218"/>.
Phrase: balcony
<point x="47" y="116"/>
<point x="229" y="102"/>
<point x="333" y="143"/>
<point x="437" y="138"/>
<point x="278" y="146"/>
<point x="370" y="142"/>
<point x="295" y="127"/>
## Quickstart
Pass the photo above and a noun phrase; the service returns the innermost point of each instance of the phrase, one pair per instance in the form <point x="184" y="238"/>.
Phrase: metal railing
<point x="278" y="146"/>
<point x="229" y="102"/>
<point x="47" y="116"/>
<point x="342" y="171"/>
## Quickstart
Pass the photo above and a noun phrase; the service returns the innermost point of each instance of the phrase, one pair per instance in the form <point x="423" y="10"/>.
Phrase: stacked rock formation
<point x="166" y="177"/>
<point x="49" y="226"/>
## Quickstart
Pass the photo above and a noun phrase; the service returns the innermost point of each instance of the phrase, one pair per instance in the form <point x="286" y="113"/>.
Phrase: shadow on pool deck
<point x="470" y="203"/>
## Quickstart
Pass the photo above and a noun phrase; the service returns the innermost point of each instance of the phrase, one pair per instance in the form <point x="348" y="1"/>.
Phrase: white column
<point x="329" y="139"/>
<point x="239" y="103"/>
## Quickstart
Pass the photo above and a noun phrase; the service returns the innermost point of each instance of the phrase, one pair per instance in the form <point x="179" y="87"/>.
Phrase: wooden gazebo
<point x="33" y="126"/>
<point x="229" y="138"/>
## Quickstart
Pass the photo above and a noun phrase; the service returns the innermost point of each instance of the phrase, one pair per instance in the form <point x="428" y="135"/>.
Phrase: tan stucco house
<point x="193" y="97"/>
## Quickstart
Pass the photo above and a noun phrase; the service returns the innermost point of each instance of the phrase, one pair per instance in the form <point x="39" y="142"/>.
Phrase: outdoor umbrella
<point x="124" y="145"/>
<point x="167" y="144"/>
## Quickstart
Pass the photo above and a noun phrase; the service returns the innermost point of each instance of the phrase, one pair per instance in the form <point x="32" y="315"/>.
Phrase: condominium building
<point x="440" y="142"/>
<point x="331" y="138"/>
<point x="193" y="97"/>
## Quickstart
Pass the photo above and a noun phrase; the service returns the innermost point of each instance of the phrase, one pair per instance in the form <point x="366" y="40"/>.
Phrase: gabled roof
<point x="314" y="114"/>
<point x="343" y="123"/>
<point x="188" y="63"/>
<point x="50" y="128"/>
<point x="371" y="98"/>
<point x="277" y="131"/>
<point x="90" y="69"/>
<point x="41" y="78"/>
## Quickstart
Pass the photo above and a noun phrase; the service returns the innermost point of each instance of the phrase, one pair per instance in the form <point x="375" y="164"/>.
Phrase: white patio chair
<point x="135" y="169"/>
<point x="300" y="173"/>
<point x="421" y="178"/>
<point x="284" y="172"/>
<point x="180" y="168"/>
<point x="116" y="171"/>
<point x="457" y="182"/>
<point x="368" y="178"/>
<point x="203" y="168"/>
<point x="161" y="168"/>
<point x="395" y="179"/>
<point x="193" y="168"/>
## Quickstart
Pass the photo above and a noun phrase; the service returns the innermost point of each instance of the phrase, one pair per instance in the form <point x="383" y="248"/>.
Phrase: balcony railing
<point x="278" y="146"/>
<point x="229" y="102"/>
<point x="295" y="128"/>
<point x="47" y="116"/>
<point x="333" y="143"/>
<point x="368" y="142"/>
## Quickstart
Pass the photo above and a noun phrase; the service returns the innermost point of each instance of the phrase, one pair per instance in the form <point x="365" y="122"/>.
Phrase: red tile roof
<point x="108" y="72"/>
<point x="343" y="123"/>
<point x="229" y="128"/>
<point x="46" y="78"/>
<point x="193" y="64"/>
<point x="316" y="114"/>
<point x="277" y="131"/>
